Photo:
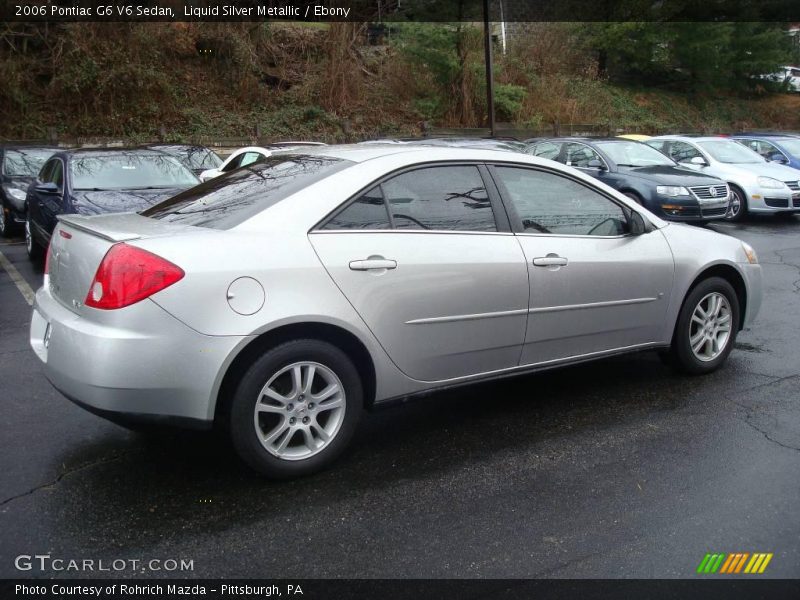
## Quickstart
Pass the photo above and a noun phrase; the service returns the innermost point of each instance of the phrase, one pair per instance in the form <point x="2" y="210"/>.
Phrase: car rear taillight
<point x="127" y="275"/>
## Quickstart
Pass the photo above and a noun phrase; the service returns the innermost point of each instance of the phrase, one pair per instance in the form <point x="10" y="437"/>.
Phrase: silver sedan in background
<point x="281" y="299"/>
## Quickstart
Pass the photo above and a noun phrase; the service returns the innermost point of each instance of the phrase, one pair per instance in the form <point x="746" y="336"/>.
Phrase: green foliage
<point x="508" y="99"/>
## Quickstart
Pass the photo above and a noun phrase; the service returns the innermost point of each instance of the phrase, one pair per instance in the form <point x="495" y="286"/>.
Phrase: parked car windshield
<point x="726" y="151"/>
<point x="25" y="163"/>
<point x="128" y="170"/>
<point x="195" y="157"/>
<point x="634" y="154"/>
<point x="792" y="146"/>
<point x="232" y="198"/>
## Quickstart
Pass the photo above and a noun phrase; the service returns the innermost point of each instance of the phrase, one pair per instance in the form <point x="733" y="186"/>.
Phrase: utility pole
<point x="487" y="46"/>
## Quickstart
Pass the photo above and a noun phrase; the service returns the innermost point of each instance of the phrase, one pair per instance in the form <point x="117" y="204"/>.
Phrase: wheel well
<point x="341" y="338"/>
<point x="732" y="276"/>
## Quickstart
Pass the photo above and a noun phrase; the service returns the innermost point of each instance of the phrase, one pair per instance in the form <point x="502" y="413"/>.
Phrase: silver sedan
<point x="281" y="299"/>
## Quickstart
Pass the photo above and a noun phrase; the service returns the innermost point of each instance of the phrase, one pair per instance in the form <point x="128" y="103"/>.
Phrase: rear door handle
<point x="372" y="263"/>
<point x="551" y="260"/>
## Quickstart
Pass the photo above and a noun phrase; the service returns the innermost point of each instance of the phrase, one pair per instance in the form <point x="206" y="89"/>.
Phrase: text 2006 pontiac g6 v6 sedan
<point x="282" y="298"/>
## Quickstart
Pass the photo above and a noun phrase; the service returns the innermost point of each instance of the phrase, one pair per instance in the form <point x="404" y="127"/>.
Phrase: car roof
<point x="689" y="138"/>
<point x="359" y="153"/>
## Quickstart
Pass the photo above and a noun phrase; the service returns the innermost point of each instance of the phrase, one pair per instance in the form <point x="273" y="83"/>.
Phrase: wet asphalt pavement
<point x="621" y="468"/>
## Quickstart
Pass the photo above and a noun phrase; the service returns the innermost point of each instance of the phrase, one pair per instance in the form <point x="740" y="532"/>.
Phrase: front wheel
<point x="706" y="328"/>
<point x="296" y="408"/>
<point x="737" y="209"/>
<point x="35" y="251"/>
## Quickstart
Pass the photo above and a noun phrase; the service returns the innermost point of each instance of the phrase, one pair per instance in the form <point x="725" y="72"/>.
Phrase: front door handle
<point x="370" y="264"/>
<point x="551" y="260"/>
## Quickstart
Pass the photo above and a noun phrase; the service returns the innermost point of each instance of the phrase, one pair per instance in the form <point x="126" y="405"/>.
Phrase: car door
<point x="428" y="260"/>
<point x="594" y="287"/>
<point x="40" y="203"/>
<point x="52" y="204"/>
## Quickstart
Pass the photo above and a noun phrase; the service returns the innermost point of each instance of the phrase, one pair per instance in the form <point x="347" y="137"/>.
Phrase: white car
<point x="788" y="75"/>
<point x="240" y="158"/>
<point x="757" y="186"/>
<point x="250" y="154"/>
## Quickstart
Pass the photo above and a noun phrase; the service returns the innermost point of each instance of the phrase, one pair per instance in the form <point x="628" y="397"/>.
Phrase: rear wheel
<point x="35" y="251"/>
<point x="706" y="328"/>
<point x="737" y="209"/>
<point x="296" y="408"/>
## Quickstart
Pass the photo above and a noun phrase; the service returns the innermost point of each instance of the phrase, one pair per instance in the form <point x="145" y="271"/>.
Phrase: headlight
<point x="750" y="253"/>
<point x="770" y="183"/>
<point x="15" y="193"/>
<point x="672" y="190"/>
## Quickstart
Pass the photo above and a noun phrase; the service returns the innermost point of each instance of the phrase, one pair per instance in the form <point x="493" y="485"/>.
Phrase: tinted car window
<point x="580" y="155"/>
<point x="232" y="198"/>
<point x="24" y="163"/>
<point x="548" y="203"/>
<point x="682" y="152"/>
<point x="443" y="198"/>
<point x="546" y="150"/>
<point x="57" y="174"/>
<point x="128" y="170"/>
<point x="249" y="158"/>
<point x="47" y="169"/>
<point x="367" y="212"/>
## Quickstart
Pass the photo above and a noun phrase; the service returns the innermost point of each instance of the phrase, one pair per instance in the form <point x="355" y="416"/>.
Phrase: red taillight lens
<point x="127" y="275"/>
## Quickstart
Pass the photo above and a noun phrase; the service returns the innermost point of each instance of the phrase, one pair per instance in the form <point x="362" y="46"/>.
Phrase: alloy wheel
<point x="710" y="327"/>
<point x="3" y="221"/>
<point x="299" y="411"/>
<point x="735" y="206"/>
<point x="28" y="236"/>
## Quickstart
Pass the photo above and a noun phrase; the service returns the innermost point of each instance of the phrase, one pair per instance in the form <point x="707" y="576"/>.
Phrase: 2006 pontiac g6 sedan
<point x="281" y="299"/>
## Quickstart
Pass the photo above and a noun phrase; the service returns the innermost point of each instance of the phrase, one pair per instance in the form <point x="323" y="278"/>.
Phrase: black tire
<point x="35" y="251"/>
<point x="683" y="358"/>
<point x="241" y="416"/>
<point x="7" y="225"/>
<point x="741" y="198"/>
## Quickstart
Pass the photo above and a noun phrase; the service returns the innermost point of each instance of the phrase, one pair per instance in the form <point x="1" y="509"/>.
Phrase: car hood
<point x="667" y="175"/>
<point x="779" y="172"/>
<point x="112" y="201"/>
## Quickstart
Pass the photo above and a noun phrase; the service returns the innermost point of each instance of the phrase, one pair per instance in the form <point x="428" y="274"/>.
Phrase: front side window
<point x="580" y="155"/>
<point x="553" y="204"/>
<point x="57" y="174"/>
<point x="439" y="198"/>
<point x="683" y="152"/>
<point x="547" y="150"/>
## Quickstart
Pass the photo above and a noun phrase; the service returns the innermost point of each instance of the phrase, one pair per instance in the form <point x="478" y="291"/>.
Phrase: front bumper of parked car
<point x="690" y="209"/>
<point x="160" y="372"/>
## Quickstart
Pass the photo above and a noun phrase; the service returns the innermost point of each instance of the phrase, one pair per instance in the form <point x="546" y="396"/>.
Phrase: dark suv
<point x="643" y="174"/>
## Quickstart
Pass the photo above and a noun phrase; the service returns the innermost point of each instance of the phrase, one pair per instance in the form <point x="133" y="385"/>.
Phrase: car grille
<point x="715" y="212"/>
<point x="703" y="192"/>
<point x="793" y="185"/>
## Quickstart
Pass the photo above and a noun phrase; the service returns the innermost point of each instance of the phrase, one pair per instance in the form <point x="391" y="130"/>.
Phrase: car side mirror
<point x="636" y="223"/>
<point x="778" y="158"/>
<point x="47" y="188"/>
<point x="699" y="160"/>
<point x="595" y="164"/>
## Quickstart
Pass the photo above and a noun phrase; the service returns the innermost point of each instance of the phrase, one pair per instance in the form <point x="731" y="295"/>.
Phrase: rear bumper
<point x="161" y="372"/>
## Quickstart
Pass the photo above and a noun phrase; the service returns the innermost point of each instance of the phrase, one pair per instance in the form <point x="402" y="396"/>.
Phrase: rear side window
<point x="366" y="212"/>
<point x="440" y="198"/>
<point x="232" y="198"/>
<point x="682" y="152"/>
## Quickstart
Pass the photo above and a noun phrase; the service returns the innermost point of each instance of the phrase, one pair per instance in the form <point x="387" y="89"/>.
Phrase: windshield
<point x="232" y="198"/>
<point x="25" y="163"/>
<point x="727" y="151"/>
<point x="195" y="157"/>
<point x="128" y="170"/>
<point x="634" y="154"/>
<point x="792" y="146"/>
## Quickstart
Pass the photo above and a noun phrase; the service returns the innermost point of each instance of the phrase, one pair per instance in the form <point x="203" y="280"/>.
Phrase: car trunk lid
<point x="79" y="244"/>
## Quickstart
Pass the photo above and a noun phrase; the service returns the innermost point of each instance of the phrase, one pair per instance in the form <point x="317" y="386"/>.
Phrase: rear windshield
<point x="25" y="163"/>
<point x="232" y="198"/>
<point x="129" y="170"/>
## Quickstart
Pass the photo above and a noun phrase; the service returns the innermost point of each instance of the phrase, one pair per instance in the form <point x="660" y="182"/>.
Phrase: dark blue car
<point x="643" y="174"/>
<point x="97" y="181"/>
<point x="782" y="149"/>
